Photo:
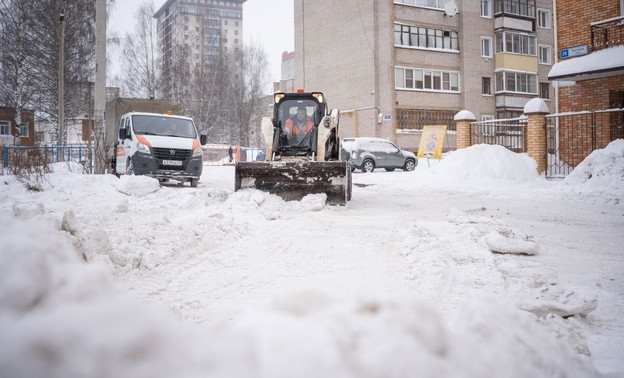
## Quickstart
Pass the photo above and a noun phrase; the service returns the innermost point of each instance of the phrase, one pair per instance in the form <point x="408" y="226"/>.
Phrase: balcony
<point x="607" y="33"/>
<point x="515" y="8"/>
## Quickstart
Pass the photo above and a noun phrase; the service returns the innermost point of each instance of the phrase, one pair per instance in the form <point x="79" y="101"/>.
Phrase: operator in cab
<point x="298" y="126"/>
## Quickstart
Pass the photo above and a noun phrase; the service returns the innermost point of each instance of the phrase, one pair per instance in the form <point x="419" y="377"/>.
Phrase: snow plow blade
<point x="294" y="180"/>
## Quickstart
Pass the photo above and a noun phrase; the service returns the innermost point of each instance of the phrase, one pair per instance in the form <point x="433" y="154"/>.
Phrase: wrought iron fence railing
<point x="509" y="133"/>
<point x="607" y="33"/>
<point x="571" y="137"/>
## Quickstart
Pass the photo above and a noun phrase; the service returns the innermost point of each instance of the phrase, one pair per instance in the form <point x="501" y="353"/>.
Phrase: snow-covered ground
<point x="471" y="266"/>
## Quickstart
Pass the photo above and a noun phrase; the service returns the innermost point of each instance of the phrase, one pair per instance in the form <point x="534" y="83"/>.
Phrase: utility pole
<point x="61" y="81"/>
<point x="100" y="85"/>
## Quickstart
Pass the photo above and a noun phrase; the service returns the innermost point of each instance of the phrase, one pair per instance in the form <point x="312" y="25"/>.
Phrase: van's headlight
<point x="197" y="152"/>
<point x="143" y="148"/>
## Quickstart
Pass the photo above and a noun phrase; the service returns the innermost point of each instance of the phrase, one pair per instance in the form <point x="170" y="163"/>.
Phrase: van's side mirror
<point x="122" y="134"/>
<point x="202" y="139"/>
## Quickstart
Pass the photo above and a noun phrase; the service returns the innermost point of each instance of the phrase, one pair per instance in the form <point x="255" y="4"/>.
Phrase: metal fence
<point x="571" y="137"/>
<point x="607" y="33"/>
<point x="509" y="133"/>
<point x="14" y="157"/>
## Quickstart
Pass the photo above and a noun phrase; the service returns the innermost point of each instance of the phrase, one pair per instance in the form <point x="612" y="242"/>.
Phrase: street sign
<point x="571" y="52"/>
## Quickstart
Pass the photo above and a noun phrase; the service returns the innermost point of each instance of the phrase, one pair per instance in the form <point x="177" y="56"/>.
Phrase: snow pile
<point x="67" y="168"/>
<point x="61" y="317"/>
<point x="602" y="172"/>
<point x="484" y="161"/>
<point x="137" y="185"/>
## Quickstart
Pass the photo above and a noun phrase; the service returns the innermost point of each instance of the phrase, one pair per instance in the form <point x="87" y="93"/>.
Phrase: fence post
<point x="5" y="156"/>
<point x="536" y="111"/>
<point x="464" y="136"/>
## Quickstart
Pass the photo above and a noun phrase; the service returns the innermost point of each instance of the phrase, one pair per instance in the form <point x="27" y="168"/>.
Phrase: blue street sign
<point x="574" y="51"/>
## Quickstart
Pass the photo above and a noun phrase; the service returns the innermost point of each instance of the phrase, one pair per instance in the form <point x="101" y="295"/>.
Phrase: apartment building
<point x="394" y="66"/>
<point x="205" y="27"/>
<point x="287" y="74"/>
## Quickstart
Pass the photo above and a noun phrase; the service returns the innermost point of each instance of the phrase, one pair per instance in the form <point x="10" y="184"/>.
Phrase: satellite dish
<point x="450" y="8"/>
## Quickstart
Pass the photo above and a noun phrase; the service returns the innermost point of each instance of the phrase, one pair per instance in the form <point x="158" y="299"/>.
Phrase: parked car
<point x="367" y="154"/>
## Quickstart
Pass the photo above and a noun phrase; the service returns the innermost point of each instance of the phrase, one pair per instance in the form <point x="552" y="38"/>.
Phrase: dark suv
<point x="370" y="153"/>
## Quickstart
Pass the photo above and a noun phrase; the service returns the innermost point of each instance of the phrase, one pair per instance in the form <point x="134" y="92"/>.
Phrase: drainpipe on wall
<point x="555" y="36"/>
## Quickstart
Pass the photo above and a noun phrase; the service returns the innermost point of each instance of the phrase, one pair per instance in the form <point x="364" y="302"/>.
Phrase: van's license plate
<point x="172" y="162"/>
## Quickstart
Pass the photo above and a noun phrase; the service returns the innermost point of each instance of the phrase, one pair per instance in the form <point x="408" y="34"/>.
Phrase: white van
<point x="162" y="146"/>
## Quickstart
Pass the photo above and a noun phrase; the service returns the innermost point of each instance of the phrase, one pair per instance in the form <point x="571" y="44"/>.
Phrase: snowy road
<point x="405" y="239"/>
<point x="401" y="282"/>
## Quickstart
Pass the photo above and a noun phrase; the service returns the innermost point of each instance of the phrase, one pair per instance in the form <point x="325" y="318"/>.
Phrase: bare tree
<point x="79" y="42"/>
<point x="209" y="103"/>
<point x="19" y="68"/>
<point x="176" y="74"/>
<point x="247" y="81"/>
<point x="140" y="77"/>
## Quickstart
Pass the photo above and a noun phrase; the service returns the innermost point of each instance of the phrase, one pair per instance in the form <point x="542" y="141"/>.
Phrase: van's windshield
<point x="163" y="125"/>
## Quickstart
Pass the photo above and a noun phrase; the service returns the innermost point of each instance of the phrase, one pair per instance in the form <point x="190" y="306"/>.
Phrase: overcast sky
<point x="268" y="23"/>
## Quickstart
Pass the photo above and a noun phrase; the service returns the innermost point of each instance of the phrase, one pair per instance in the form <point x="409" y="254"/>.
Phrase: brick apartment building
<point x="26" y="133"/>
<point x="589" y="72"/>
<point x="393" y="66"/>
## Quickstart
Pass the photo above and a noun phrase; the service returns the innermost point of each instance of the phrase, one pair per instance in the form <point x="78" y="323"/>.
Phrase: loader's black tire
<point x="368" y="165"/>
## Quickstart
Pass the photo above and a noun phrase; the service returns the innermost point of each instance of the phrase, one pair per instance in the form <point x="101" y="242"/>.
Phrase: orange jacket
<point x="294" y="131"/>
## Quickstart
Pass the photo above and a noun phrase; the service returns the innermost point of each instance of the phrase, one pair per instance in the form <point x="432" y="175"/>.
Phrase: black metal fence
<point x="571" y="137"/>
<point x="607" y="34"/>
<point x="509" y="133"/>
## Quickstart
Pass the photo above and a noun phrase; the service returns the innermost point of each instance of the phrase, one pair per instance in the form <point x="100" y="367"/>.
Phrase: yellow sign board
<point x="431" y="141"/>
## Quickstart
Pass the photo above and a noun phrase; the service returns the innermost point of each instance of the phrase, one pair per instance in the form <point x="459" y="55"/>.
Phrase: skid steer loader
<point x="302" y="152"/>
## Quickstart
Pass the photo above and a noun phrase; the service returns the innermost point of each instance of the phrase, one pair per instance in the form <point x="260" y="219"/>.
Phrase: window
<point x="544" y="54"/>
<point x="519" y="82"/>
<point x="414" y="36"/>
<point x="437" y="4"/>
<point x="543" y="18"/>
<point x="487" y="117"/>
<point x="5" y="128"/>
<point x="516" y="43"/>
<point x="544" y="90"/>
<point x="486" y="47"/>
<point x="39" y="137"/>
<point x="486" y="8"/>
<point x="23" y="130"/>
<point x="429" y="80"/>
<point x="486" y="86"/>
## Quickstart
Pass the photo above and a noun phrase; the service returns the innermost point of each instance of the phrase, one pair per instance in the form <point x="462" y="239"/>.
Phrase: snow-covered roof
<point x="602" y="63"/>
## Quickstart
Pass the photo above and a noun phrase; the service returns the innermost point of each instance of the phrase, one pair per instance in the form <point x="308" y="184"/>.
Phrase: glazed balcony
<point x="515" y="8"/>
